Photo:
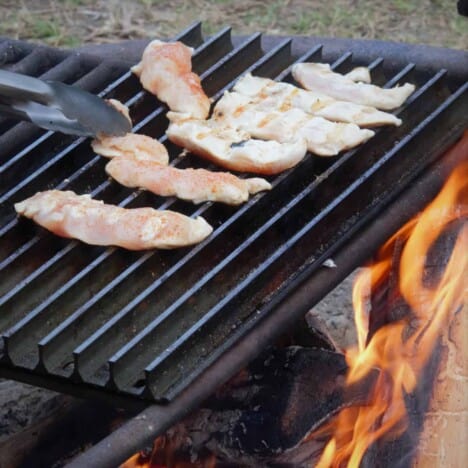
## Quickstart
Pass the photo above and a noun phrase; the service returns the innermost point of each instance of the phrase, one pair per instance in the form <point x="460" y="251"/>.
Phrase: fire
<point x="164" y="455"/>
<point x="401" y="349"/>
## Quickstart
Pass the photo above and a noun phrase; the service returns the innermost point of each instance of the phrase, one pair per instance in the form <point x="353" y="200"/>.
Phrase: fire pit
<point x="163" y="327"/>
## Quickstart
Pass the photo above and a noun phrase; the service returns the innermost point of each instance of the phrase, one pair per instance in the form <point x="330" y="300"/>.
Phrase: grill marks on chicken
<point x="232" y="148"/>
<point x="94" y="222"/>
<point x="166" y="71"/>
<point x="319" y="77"/>
<point x="268" y="94"/>
<point x="197" y="185"/>
<point x="323" y="137"/>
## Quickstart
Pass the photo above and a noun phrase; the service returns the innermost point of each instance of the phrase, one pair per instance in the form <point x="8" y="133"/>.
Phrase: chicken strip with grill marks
<point x="319" y="77"/>
<point x="268" y="94"/>
<point x="233" y="149"/>
<point x="197" y="185"/>
<point x="165" y="70"/>
<point x="80" y="217"/>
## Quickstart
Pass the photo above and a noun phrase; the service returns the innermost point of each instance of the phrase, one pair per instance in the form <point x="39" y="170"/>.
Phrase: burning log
<point x="262" y="417"/>
<point x="404" y="338"/>
<point x="443" y="440"/>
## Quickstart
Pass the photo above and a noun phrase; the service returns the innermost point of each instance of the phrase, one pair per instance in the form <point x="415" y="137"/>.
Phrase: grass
<point x="67" y="23"/>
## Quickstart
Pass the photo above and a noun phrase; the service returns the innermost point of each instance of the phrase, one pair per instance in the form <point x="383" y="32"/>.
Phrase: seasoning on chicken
<point x="320" y="78"/>
<point x="166" y="71"/>
<point x="272" y="95"/>
<point x="80" y="217"/>
<point x="322" y="137"/>
<point x="233" y="149"/>
<point x="131" y="144"/>
<point x="197" y="185"/>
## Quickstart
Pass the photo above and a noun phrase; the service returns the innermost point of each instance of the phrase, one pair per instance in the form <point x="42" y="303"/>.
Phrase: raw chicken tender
<point x="272" y="95"/>
<point x="197" y="185"/>
<point x="166" y="71"/>
<point x="320" y="78"/>
<point x="131" y="144"/>
<point x="234" y="149"/>
<point x="78" y="216"/>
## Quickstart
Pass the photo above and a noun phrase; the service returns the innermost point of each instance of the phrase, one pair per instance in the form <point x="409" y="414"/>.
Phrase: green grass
<point x="405" y="6"/>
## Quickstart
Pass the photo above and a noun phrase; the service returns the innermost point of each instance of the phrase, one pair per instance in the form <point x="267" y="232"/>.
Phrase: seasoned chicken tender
<point x="165" y="70"/>
<point x="80" y="217"/>
<point x="268" y="94"/>
<point x="322" y="137"/>
<point x="131" y="144"/>
<point x="320" y="78"/>
<point x="234" y="149"/>
<point x="197" y="185"/>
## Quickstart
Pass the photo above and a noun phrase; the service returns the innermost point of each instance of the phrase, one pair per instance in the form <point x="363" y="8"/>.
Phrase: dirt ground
<point x="68" y="23"/>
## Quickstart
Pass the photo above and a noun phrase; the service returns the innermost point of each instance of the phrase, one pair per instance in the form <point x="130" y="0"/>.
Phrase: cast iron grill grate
<point x="144" y="325"/>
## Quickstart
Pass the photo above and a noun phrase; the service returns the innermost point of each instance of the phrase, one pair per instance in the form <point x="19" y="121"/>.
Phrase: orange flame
<point x="163" y="455"/>
<point x="401" y="349"/>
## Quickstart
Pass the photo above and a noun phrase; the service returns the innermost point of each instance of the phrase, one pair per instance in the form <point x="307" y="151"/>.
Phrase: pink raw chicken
<point x="166" y="71"/>
<point x="197" y="185"/>
<point x="78" y="216"/>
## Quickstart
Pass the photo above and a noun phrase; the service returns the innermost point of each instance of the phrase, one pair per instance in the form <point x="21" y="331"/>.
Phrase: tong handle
<point x="59" y="107"/>
<point x="24" y="88"/>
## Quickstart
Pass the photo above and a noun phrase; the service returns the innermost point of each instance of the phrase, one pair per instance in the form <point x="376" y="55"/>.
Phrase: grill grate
<point x="144" y="325"/>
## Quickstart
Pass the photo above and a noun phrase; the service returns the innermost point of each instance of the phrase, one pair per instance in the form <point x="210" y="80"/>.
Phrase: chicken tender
<point x="234" y="149"/>
<point x="320" y="78"/>
<point x="80" y="217"/>
<point x="131" y="144"/>
<point x="165" y="70"/>
<point x="197" y="185"/>
<point x="268" y="94"/>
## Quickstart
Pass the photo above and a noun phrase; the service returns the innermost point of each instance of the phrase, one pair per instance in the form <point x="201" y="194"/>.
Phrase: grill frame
<point x="79" y="382"/>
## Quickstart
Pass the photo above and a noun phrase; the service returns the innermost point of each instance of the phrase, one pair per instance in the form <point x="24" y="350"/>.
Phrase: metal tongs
<point x="58" y="107"/>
